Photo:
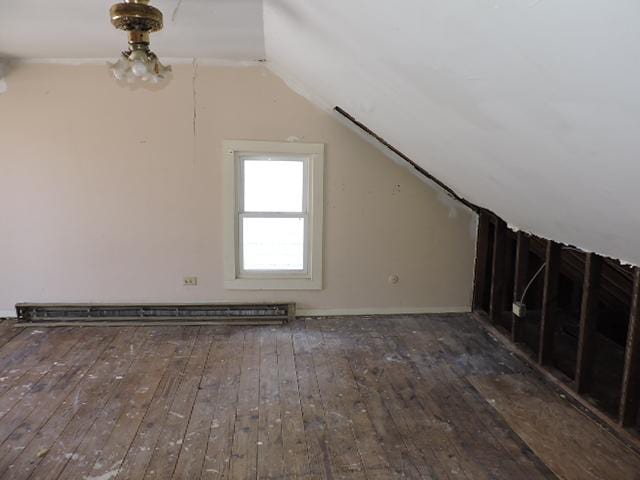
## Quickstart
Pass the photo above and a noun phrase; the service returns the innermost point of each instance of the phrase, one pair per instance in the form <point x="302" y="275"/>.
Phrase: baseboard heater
<point x="88" y="314"/>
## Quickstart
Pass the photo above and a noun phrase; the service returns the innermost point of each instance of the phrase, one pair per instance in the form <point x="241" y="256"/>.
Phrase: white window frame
<point x="310" y="277"/>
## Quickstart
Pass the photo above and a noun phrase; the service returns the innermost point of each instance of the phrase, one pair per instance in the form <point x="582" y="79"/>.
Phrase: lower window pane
<point x="273" y="243"/>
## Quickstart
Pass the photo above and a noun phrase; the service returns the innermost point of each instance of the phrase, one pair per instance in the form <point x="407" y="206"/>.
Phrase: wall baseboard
<point x="333" y="312"/>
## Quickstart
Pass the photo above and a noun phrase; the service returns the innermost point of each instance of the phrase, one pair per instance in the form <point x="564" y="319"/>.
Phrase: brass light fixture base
<point x="136" y="36"/>
<point x="136" y="16"/>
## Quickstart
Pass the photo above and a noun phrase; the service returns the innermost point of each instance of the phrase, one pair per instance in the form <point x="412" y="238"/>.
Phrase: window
<point x="273" y="215"/>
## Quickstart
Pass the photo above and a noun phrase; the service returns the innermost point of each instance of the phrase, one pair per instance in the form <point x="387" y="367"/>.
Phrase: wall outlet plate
<point x="519" y="309"/>
<point x="190" y="281"/>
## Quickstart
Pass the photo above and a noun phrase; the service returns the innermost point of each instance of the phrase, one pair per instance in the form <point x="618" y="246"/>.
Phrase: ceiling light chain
<point x="138" y="62"/>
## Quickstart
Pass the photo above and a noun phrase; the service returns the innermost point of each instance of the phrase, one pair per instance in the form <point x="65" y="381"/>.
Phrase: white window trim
<point x="311" y="277"/>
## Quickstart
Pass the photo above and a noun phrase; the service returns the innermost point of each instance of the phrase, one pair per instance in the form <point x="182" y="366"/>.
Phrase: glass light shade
<point x="139" y="66"/>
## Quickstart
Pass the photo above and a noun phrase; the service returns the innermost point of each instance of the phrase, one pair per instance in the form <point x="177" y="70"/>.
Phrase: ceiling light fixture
<point x="138" y="63"/>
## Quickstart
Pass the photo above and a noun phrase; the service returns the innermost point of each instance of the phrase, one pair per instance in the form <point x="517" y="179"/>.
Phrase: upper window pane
<point x="273" y="185"/>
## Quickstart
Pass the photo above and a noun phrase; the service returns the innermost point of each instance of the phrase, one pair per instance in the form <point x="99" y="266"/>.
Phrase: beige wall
<point x="106" y="195"/>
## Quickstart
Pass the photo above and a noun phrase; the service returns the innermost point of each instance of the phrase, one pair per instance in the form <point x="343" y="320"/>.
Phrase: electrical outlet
<point x="519" y="309"/>
<point x="190" y="281"/>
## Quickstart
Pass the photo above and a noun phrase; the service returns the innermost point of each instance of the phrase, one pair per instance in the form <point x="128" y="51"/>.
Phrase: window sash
<point x="240" y="184"/>
<point x="241" y="214"/>
<point x="247" y="273"/>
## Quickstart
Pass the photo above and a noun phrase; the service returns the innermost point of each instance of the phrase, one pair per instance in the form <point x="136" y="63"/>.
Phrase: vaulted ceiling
<point x="526" y="107"/>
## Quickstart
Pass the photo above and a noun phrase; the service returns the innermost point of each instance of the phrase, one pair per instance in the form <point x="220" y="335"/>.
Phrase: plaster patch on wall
<point x="449" y="202"/>
<point x="473" y="228"/>
<point x="3" y="73"/>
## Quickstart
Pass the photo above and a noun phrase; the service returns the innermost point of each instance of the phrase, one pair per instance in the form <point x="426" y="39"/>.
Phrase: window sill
<point x="273" y="284"/>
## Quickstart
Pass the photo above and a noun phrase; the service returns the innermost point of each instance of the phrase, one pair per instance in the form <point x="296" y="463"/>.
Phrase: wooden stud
<point x="520" y="282"/>
<point x="509" y="269"/>
<point x="497" y="271"/>
<point x="630" y="398"/>
<point x="482" y="253"/>
<point x="549" y="302"/>
<point x="588" y="319"/>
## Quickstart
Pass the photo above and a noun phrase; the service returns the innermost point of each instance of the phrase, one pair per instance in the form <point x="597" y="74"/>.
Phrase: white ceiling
<point x="530" y="108"/>
<point x="213" y="29"/>
<point x="527" y="107"/>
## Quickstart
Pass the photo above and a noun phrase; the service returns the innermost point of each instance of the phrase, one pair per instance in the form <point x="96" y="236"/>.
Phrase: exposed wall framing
<point x="630" y="396"/>
<point x="577" y="315"/>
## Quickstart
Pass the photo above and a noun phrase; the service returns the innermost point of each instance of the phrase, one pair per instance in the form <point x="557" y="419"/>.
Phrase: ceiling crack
<point x="174" y="15"/>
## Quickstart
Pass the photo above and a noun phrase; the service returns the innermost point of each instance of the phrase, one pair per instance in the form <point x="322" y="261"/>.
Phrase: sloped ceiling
<point x="527" y="107"/>
<point x="66" y="29"/>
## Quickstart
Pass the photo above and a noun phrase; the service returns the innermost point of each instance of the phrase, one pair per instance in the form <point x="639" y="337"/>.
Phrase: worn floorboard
<point x="557" y="433"/>
<point x="371" y="398"/>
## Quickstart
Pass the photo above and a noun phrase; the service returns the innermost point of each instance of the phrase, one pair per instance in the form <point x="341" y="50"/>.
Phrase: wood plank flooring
<point x="371" y="398"/>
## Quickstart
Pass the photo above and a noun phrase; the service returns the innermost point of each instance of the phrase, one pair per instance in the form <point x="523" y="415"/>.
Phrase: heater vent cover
<point x="56" y="314"/>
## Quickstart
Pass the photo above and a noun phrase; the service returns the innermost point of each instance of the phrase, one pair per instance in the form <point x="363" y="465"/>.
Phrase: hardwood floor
<point x="424" y="397"/>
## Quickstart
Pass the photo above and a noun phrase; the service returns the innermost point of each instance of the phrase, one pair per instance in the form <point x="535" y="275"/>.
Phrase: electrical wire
<point x="531" y="281"/>
<point x="564" y="247"/>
